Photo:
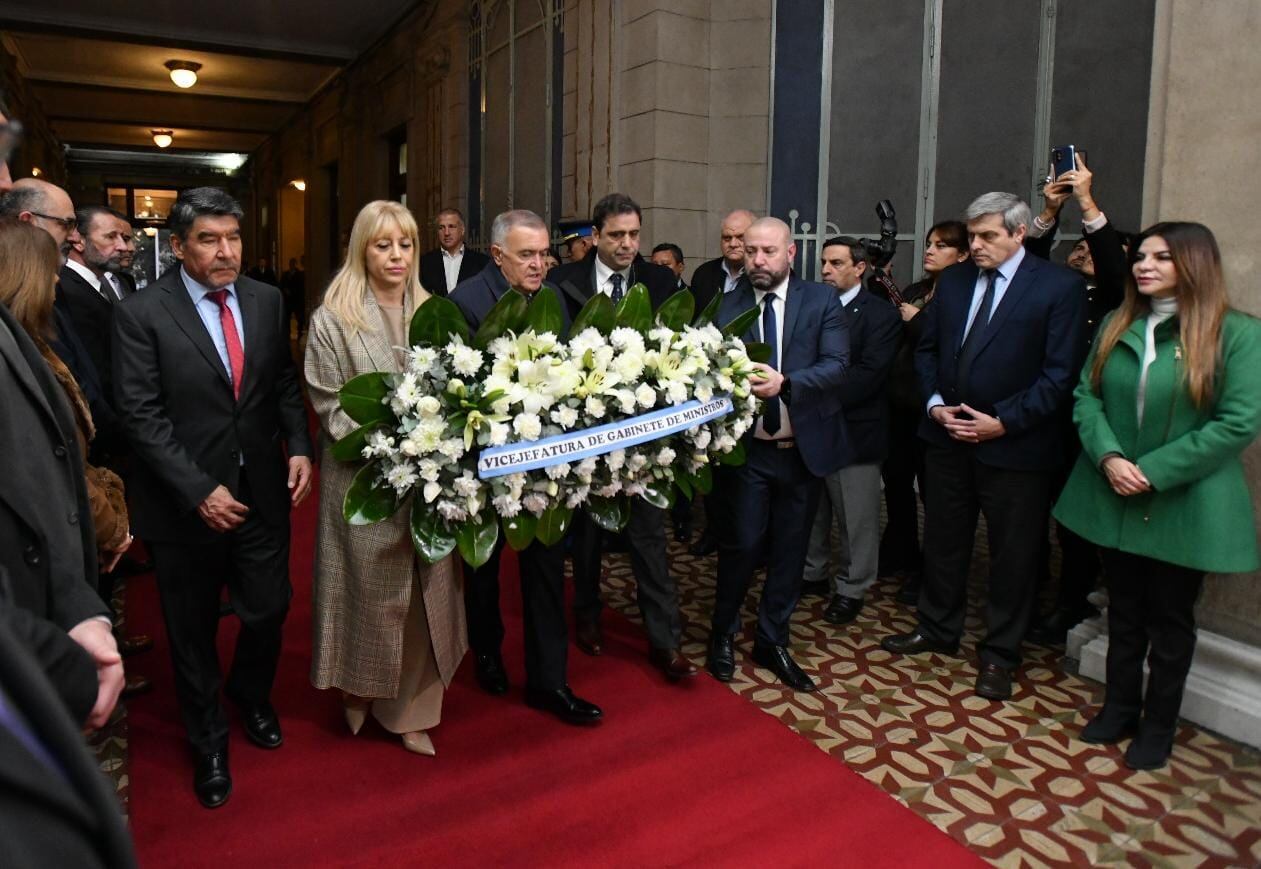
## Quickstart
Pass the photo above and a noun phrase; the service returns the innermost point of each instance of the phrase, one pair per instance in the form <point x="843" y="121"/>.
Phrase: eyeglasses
<point x="10" y="138"/>
<point x="66" y="223"/>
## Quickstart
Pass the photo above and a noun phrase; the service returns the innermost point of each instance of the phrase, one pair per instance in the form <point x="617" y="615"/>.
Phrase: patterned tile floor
<point x="1010" y="781"/>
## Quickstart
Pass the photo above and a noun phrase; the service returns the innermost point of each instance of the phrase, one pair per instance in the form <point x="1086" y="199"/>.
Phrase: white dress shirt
<point x="114" y="284"/>
<point x="731" y="279"/>
<point x="90" y="276"/>
<point x="1005" y="273"/>
<point x="779" y="306"/>
<point x="849" y="295"/>
<point x="209" y="313"/>
<point x="604" y="278"/>
<point x="451" y="263"/>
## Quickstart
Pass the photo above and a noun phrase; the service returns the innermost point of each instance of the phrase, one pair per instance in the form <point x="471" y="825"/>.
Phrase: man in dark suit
<point x="122" y="280"/>
<point x="852" y="493"/>
<point x="722" y="274"/>
<point x="997" y="361"/>
<point x="208" y="392"/>
<point x="452" y="263"/>
<point x="56" y="807"/>
<point x="612" y="267"/>
<point x="518" y="242"/>
<point x="798" y="440"/>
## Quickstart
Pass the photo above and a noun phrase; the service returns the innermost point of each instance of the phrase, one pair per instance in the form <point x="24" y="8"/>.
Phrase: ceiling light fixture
<point x="183" y="72"/>
<point x="36" y="172"/>
<point x="298" y="184"/>
<point x="163" y="138"/>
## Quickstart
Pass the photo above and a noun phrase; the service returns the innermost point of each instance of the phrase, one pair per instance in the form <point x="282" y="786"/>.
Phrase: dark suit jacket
<point x="815" y="355"/>
<point x="707" y="281"/>
<point x="576" y="281"/>
<point x="476" y="296"/>
<point x="1111" y="269"/>
<point x="46" y="538"/>
<point x="433" y="276"/>
<point x="109" y="442"/>
<point x="92" y="316"/>
<point x="63" y="817"/>
<point x="127" y="281"/>
<point x="1025" y="367"/>
<point x="176" y="402"/>
<point x="875" y="334"/>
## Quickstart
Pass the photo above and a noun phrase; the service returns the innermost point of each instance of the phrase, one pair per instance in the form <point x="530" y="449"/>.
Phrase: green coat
<point x="1199" y="514"/>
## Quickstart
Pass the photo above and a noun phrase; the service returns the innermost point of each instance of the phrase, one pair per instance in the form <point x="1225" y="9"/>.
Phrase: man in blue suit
<point x="798" y="440"/>
<point x="998" y="359"/>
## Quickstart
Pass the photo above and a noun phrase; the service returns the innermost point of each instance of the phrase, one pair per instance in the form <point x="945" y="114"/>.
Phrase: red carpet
<point x="676" y="775"/>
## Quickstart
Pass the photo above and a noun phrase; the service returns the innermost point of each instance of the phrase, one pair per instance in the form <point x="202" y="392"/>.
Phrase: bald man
<point x="46" y="206"/>
<point x="798" y="439"/>
<point x="722" y="274"/>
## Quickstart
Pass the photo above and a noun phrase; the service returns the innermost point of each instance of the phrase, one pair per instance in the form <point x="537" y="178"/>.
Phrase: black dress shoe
<point x="1112" y="724"/>
<point x="564" y="705"/>
<point x="842" y="610"/>
<point x="262" y="726"/>
<point x="588" y="636"/>
<point x="816" y="587"/>
<point x="914" y="643"/>
<point x="672" y="663"/>
<point x="211" y="780"/>
<point x="781" y="663"/>
<point x="721" y="661"/>
<point x="491" y="674"/>
<point x="704" y="545"/>
<point x="1151" y="748"/>
<point x="993" y="682"/>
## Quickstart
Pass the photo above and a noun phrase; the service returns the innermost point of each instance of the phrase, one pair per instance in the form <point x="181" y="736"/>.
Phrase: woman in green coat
<point x="1168" y="400"/>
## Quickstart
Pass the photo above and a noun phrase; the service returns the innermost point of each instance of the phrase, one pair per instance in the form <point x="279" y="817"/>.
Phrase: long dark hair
<point x="29" y="263"/>
<point x="1202" y="305"/>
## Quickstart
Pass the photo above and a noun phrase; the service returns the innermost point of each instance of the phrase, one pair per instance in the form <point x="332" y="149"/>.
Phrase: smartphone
<point x="1063" y="159"/>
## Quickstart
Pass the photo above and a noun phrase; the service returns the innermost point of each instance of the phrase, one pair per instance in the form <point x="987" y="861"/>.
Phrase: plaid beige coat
<point x="364" y="575"/>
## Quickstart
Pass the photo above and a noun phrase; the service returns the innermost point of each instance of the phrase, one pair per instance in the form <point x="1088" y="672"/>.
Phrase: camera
<point x="880" y="251"/>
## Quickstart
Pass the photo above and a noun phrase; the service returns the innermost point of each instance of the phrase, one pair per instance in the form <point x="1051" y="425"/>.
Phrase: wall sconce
<point x="163" y="138"/>
<point x="298" y="184"/>
<point x="183" y="72"/>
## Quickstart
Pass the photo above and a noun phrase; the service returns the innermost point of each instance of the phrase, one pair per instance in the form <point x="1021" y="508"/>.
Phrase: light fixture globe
<point x="163" y="138"/>
<point x="183" y="72"/>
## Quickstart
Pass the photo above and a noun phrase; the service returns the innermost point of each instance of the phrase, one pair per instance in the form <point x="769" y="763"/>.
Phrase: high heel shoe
<point x="356" y="711"/>
<point x="418" y="742"/>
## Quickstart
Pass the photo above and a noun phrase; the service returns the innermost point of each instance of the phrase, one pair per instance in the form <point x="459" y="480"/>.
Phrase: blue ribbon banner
<point x="575" y="446"/>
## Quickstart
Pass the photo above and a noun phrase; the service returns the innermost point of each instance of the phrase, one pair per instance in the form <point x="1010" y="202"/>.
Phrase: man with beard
<point x="798" y="439"/>
<point x="122" y="280"/>
<point x="84" y="292"/>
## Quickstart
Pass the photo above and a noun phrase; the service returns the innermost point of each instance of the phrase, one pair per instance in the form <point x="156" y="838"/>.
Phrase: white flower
<point x="556" y="472"/>
<point x="432" y="491"/>
<point x="528" y="426"/>
<point x="498" y="435"/>
<point x="645" y="395"/>
<point x="595" y="407"/>
<point x="428" y="405"/>
<point x="423" y="358"/>
<point x="408" y="447"/>
<point x="401" y="476"/>
<point x="506" y="505"/>
<point x="615" y="460"/>
<point x="665" y="456"/>
<point x="626" y="339"/>
<point x="535" y="503"/>
<point x="565" y="416"/>
<point x="466" y="361"/>
<point x="452" y="512"/>
<point x="466" y="486"/>
<point x="636" y="463"/>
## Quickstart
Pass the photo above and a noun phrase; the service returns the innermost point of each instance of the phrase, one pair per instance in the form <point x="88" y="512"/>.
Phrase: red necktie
<point x="236" y="355"/>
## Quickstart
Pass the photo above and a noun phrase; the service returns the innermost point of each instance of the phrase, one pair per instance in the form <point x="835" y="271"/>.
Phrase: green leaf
<point x="519" y="530"/>
<point x="659" y="494"/>
<point x="635" y="309"/>
<point x="703" y="479"/>
<point x="709" y="312"/>
<point x="369" y="499"/>
<point x="737" y="327"/>
<point x="684" y="484"/>
<point x="350" y="448"/>
<point x="430" y="535"/>
<point x="611" y="514"/>
<point x="758" y="351"/>
<point x="361" y="398"/>
<point x="553" y="524"/>
<point x="435" y="322"/>
<point x="597" y="314"/>
<point x="508" y="315"/>
<point x="676" y="311"/>
<point x="735" y="457"/>
<point x="544" y="314"/>
<point x="477" y="538"/>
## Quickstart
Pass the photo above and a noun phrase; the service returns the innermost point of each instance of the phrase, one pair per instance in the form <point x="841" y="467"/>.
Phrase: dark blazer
<point x="127" y="281"/>
<point x="875" y="334"/>
<point x="476" y="296"/>
<point x="1025" y="367"/>
<point x="176" y="402"/>
<point x="576" y="281"/>
<point x="109" y="442"/>
<point x="433" y="276"/>
<point x="63" y="817"/>
<point x="815" y="355"/>
<point x="707" y="281"/>
<point x="46" y="538"/>
<point x="92" y="315"/>
<point x="1111" y="269"/>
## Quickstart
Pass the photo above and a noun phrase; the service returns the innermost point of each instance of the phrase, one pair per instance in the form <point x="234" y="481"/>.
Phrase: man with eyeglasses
<point x="48" y="207"/>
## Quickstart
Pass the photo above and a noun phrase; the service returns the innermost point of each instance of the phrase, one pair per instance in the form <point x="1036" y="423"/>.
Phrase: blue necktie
<point x="972" y="341"/>
<point x="616" y="295"/>
<point x="770" y="409"/>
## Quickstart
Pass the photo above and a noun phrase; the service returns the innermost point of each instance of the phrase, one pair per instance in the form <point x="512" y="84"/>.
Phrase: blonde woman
<point x="389" y="631"/>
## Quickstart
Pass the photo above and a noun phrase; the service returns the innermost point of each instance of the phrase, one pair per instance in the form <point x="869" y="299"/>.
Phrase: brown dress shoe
<point x="993" y="682"/>
<point x="136" y="684"/>
<point x="672" y="663"/>
<point x="589" y="637"/>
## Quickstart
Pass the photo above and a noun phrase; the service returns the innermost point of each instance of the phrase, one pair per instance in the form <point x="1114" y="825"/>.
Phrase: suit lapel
<point x="252" y="328"/>
<point x="180" y="306"/>
<point x="21" y="365"/>
<point x="376" y="343"/>
<point x="792" y="307"/>
<point x="740" y="300"/>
